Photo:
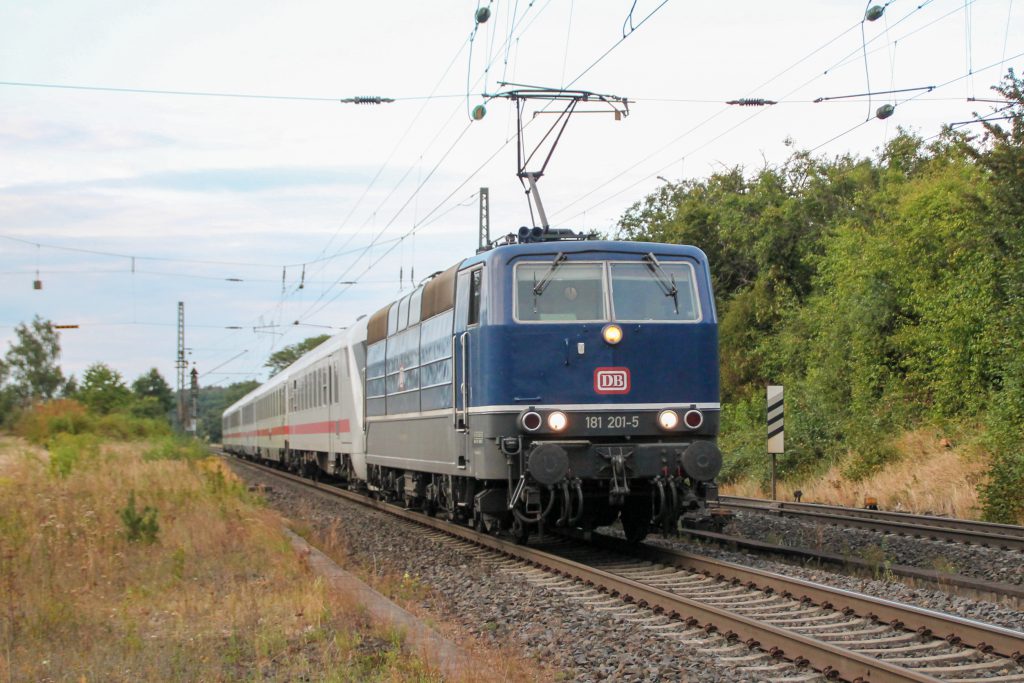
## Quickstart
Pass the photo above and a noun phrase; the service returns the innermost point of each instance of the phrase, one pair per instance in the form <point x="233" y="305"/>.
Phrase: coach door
<point x="332" y="409"/>
<point x="468" y="309"/>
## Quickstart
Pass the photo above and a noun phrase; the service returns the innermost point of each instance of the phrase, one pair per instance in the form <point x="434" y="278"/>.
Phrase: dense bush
<point x="42" y="422"/>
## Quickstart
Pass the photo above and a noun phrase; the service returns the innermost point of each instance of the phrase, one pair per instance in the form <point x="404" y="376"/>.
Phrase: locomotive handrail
<point x="455" y="404"/>
<point x="464" y="385"/>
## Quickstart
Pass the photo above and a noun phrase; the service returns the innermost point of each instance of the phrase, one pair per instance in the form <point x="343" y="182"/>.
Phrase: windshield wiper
<point x="539" y="287"/>
<point x="667" y="282"/>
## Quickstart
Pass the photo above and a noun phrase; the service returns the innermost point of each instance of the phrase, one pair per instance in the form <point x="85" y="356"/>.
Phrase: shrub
<point x="68" y="451"/>
<point x="129" y="428"/>
<point x="40" y="423"/>
<point x="1000" y="494"/>
<point x="176" y="448"/>
<point x="139" y="526"/>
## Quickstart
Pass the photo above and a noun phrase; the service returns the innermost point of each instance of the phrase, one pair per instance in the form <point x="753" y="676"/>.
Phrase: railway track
<point x="1003" y="536"/>
<point x="758" y="620"/>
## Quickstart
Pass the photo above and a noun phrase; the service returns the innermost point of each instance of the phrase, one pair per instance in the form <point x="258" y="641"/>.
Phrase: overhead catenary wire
<point x="687" y="133"/>
<point x="560" y="215"/>
<point x="167" y="259"/>
<point x="311" y="310"/>
<point x="357" y="99"/>
<point x="423" y="183"/>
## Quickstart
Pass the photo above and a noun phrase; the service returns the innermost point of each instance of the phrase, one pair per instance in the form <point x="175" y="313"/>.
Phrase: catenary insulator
<point x="752" y="102"/>
<point x="874" y="13"/>
<point x="885" y="111"/>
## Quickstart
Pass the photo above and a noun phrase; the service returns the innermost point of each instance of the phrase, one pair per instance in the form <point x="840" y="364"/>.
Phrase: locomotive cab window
<point x="654" y="291"/>
<point x="475" y="289"/>
<point x="469" y="299"/>
<point x="560" y="292"/>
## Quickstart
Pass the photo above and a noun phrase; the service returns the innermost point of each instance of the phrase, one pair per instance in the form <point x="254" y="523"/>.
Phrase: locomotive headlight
<point x="668" y="420"/>
<point x="557" y="421"/>
<point x="531" y="421"/>
<point x="612" y="334"/>
<point x="693" y="419"/>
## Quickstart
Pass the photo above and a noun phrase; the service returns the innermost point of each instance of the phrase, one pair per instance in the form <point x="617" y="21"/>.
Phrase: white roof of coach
<point x="341" y="340"/>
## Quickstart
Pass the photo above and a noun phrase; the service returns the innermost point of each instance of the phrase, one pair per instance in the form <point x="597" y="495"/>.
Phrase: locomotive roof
<point x="504" y="253"/>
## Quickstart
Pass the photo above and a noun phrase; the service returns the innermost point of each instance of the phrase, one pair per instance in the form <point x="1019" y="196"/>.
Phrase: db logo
<point x="611" y="380"/>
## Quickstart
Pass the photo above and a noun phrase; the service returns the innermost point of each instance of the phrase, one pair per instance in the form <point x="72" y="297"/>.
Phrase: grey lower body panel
<point x="422" y="444"/>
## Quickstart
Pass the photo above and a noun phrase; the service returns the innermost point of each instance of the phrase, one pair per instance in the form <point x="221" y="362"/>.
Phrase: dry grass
<point x="407" y="590"/>
<point x="929" y="477"/>
<point x="219" y="595"/>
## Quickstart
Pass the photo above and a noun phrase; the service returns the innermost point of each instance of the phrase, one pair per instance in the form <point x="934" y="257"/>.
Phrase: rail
<point x="1005" y="536"/>
<point x="835" y="659"/>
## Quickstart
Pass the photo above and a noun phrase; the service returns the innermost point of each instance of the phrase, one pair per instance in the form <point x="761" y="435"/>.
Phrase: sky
<point x="241" y="186"/>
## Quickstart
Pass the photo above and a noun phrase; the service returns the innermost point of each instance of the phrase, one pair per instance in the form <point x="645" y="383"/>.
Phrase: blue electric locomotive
<point x="560" y="382"/>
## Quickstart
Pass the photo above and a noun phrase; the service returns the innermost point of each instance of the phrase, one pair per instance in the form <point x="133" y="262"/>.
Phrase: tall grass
<point x="928" y="476"/>
<point x="215" y="592"/>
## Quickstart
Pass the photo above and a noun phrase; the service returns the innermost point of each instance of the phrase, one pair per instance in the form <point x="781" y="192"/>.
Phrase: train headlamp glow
<point x="668" y="420"/>
<point x="612" y="334"/>
<point x="557" y="421"/>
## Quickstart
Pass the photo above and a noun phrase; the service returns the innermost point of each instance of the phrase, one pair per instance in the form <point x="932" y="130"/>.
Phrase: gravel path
<point x="980" y="562"/>
<point x="500" y="601"/>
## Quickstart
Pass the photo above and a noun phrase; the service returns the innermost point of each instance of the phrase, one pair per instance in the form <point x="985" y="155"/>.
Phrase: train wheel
<point x="520" y="532"/>
<point x="636" y="519"/>
<point x="636" y="530"/>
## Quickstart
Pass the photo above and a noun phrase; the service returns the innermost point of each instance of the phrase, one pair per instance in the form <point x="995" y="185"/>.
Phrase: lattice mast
<point x="182" y="366"/>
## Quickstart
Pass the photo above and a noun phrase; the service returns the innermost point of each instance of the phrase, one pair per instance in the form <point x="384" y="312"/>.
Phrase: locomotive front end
<point x="605" y="386"/>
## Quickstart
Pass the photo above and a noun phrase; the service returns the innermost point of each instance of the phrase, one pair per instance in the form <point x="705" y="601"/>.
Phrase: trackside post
<point x="775" y="426"/>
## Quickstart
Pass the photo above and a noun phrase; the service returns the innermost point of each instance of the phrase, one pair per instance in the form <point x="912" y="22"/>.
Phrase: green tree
<point x="279" y="360"/>
<point x="1000" y="152"/>
<point x="30" y="367"/>
<point x="153" y="385"/>
<point x="103" y="390"/>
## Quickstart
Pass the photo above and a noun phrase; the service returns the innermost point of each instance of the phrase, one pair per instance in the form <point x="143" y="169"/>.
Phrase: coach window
<point x="323" y="386"/>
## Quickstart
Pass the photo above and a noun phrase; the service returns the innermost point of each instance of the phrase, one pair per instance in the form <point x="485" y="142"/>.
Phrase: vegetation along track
<point x="1004" y="536"/>
<point x="761" y="617"/>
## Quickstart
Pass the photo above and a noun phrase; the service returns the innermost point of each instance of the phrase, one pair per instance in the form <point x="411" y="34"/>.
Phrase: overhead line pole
<point x="181" y="365"/>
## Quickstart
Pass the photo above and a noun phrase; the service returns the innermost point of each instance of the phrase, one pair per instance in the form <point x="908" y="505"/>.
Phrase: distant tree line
<point x="885" y="293"/>
<point x="30" y="374"/>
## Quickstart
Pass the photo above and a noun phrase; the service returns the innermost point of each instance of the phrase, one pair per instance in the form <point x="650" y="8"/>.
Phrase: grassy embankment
<point x="930" y="475"/>
<point x="150" y="561"/>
